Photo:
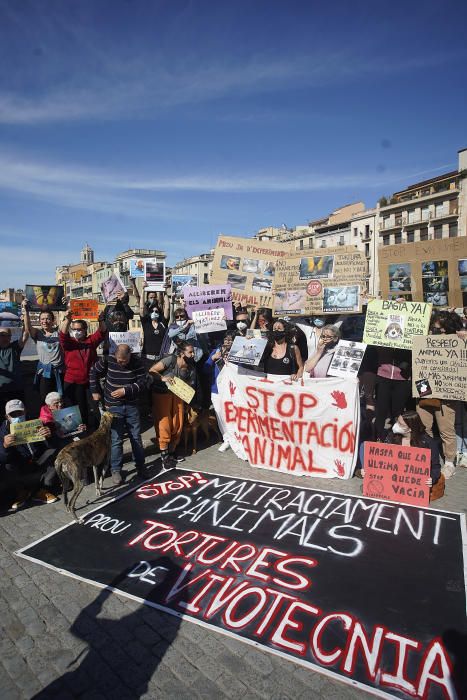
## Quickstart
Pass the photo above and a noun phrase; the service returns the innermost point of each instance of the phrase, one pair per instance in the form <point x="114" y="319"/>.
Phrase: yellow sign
<point x="181" y="389"/>
<point x="27" y="431"/>
<point x="393" y="325"/>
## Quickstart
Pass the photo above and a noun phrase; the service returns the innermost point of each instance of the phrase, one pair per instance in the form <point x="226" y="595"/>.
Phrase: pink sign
<point x="397" y="473"/>
<point x="209" y="296"/>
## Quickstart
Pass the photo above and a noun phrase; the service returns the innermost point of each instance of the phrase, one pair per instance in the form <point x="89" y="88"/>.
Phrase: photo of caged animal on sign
<point x="74" y="460"/>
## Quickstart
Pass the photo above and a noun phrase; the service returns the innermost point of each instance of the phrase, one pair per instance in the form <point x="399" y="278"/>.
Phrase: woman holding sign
<point x="168" y="409"/>
<point x="282" y="356"/>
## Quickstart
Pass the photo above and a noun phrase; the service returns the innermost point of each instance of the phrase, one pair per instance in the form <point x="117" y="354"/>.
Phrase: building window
<point x="410" y="237"/>
<point x="205" y="264"/>
<point x="310" y="243"/>
<point x="367" y="230"/>
<point x="206" y="278"/>
<point x="453" y="230"/>
<point x="424" y="233"/>
<point x="386" y="240"/>
<point x="355" y="231"/>
<point x="367" y="250"/>
<point x="386" y="222"/>
<point x="323" y="244"/>
<point x="411" y="216"/>
<point x="439" y="210"/>
<point x="397" y="238"/>
<point x="438" y="232"/>
<point x="425" y="213"/>
<point x="341" y="240"/>
<point x="301" y="244"/>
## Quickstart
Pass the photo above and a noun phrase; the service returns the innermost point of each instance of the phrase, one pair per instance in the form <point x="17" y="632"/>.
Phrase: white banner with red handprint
<point x="306" y="428"/>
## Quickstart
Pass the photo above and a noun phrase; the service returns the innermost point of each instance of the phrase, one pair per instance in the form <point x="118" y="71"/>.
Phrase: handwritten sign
<point x="439" y="367"/>
<point x="249" y="267"/>
<point x="392" y="324"/>
<point x="340" y="584"/>
<point x="209" y="320"/>
<point x="87" y="309"/>
<point x="397" y="473"/>
<point x="27" y="431"/>
<point x="304" y="428"/>
<point x="332" y="282"/>
<point x="131" y="338"/>
<point x="347" y="359"/>
<point x="181" y="389"/>
<point x="208" y="296"/>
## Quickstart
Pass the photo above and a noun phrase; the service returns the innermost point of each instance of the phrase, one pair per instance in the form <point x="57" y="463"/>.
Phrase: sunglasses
<point x="180" y="318"/>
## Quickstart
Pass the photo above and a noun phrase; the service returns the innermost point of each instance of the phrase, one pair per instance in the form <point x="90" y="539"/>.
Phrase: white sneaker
<point x="224" y="447"/>
<point x="448" y="469"/>
<point x="461" y="459"/>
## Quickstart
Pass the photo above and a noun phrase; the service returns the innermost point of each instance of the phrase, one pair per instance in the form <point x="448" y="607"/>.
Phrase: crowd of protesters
<point x="70" y="372"/>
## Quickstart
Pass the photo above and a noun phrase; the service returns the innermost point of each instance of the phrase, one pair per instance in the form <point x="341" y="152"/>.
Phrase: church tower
<point x="87" y="255"/>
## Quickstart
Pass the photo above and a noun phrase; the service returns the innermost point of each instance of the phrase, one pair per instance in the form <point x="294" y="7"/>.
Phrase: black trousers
<point x="77" y="395"/>
<point x="391" y="399"/>
<point x="16" y="476"/>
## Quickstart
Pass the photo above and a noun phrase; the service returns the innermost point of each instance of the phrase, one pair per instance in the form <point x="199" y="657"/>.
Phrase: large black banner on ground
<point x="370" y="591"/>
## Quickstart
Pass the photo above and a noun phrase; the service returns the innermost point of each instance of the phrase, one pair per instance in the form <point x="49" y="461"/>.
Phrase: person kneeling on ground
<point x="124" y="379"/>
<point x="27" y="469"/>
<point x="54" y="402"/>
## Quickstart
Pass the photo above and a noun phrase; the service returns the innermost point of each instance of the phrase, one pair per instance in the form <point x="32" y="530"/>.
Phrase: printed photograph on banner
<point x="423" y="388"/>
<point x="292" y="302"/>
<point x="137" y="267"/>
<point x="44" y="297"/>
<point x="347" y="359"/>
<point x="436" y="298"/>
<point x="237" y="281"/>
<point x="131" y="338"/>
<point x="435" y="268"/>
<point x="250" y="265"/>
<point x="229" y="262"/>
<point x="68" y="420"/>
<point x="112" y="287"/>
<point x="435" y="284"/>
<point x="463" y="281"/>
<point x="395" y="327"/>
<point x="154" y="273"/>
<point x="337" y="299"/>
<point x="180" y="281"/>
<point x="399" y="277"/>
<point x="400" y="296"/>
<point x="462" y="267"/>
<point x="261" y="284"/>
<point x="317" y="267"/>
<point x="247" y="351"/>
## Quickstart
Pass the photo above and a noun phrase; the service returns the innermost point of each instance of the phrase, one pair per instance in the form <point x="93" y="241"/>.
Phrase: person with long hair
<point x="318" y="364"/>
<point x="168" y="409"/>
<point x="212" y="368"/>
<point x="282" y="356"/>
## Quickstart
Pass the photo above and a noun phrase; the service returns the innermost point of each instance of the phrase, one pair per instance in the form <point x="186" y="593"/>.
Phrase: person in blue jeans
<point x="124" y="378"/>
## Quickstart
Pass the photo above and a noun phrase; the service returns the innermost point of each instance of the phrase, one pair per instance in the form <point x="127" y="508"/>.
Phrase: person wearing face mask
<point x="263" y="319"/>
<point x="282" y="356"/>
<point x="118" y="314"/>
<point x="49" y="371"/>
<point x="241" y="321"/>
<point x="183" y="329"/>
<point x="11" y="379"/>
<point x="212" y="368"/>
<point x="154" y="326"/>
<point x="167" y="408"/>
<point x="26" y="469"/>
<point x="312" y="332"/>
<point x="318" y="364"/>
<point x="80" y="353"/>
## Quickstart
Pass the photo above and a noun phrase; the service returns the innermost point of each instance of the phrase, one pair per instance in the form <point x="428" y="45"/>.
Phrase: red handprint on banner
<point x="232" y="388"/>
<point x="339" y="398"/>
<point x="340" y="470"/>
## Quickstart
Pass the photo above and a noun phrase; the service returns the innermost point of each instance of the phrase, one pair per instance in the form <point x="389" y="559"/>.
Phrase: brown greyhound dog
<point x="194" y="420"/>
<point x="73" y="461"/>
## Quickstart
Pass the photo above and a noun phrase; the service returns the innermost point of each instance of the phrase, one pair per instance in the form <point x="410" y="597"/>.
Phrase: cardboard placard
<point x="112" y="287"/>
<point x="209" y="320"/>
<point x="247" y="351"/>
<point x="45" y="297"/>
<point x="333" y="280"/>
<point x="86" y="309"/>
<point x="131" y="338"/>
<point x="439" y="367"/>
<point x="181" y="389"/>
<point x="27" y="431"/>
<point x="393" y="325"/>
<point x="397" y="473"/>
<point x="208" y="296"/>
<point x="249" y="267"/>
<point x="337" y="583"/>
<point x="154" y="274"/>
<point x="428" y="271"/>
<point x="347" y="359"/>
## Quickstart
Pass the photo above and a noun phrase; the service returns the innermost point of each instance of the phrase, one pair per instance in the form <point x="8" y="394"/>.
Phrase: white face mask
<point x="78" y="334"/>
<point x="399" y="430"/>
<point x="180" y="323"/>
<point x="241" y="325"/>
<point x="18" y="419"/>
<point x="154" y="316"/>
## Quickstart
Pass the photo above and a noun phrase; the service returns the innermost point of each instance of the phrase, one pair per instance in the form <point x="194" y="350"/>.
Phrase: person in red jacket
<point x="80" y="353"/>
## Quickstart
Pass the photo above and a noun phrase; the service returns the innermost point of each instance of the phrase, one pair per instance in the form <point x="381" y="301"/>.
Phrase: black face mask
<point x="278" y="335"/>
<point x="120" y="327"/>
<point x="436" y="331"/>
<point x="188" y="360"/>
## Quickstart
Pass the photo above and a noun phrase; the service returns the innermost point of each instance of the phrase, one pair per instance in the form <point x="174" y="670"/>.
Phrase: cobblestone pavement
<point x="122" y="649"/>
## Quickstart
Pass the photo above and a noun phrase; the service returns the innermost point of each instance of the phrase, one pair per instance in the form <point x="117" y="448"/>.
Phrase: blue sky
<point x="137" y="123"/>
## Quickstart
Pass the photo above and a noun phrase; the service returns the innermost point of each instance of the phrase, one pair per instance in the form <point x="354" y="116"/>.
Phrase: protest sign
<point x="10" y="306"/>
<point x="365" y="592"/>
<point x="291" y="303"/>
<point x="137" y="267"/>
<point x="347" y="359"/>
<point x="392" y="324"/>
<point x="247" y="351"/>
<point x="154" y="273"/>
<point x="249" y="267"/>
<point x="305" y="428"/>
<point x="439" y="367"/>
<point x="86" y="309"/>
<point x="208" y="296"/>
<point x="27" y="431"/>
<point x="181" y="389"/>
<point x="131" y="338"/>
<point x="68" y="420"/>
<point x="333" y="282"/>
<point x="397" y="473"/>
<point x="209" y="320"/>
<point x="429" y="271"/>
<point x="179" y="281"/>
<point x="44" y="297"/>
<point x="112" y="287"/>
